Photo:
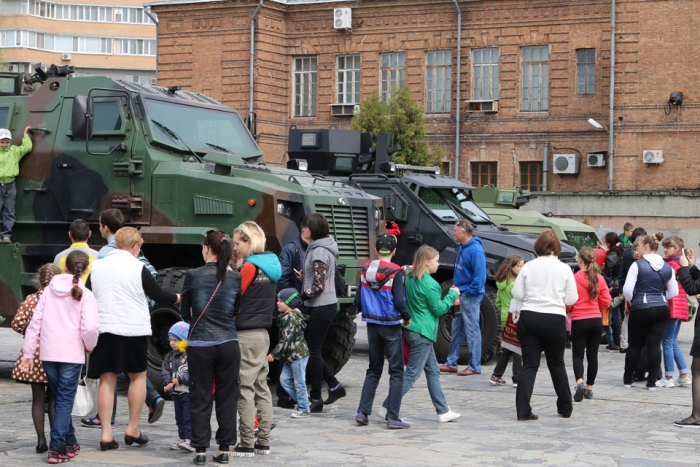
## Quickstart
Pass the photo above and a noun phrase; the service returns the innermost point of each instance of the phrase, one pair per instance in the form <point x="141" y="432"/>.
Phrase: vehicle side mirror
<point x="390" y="212"/>
<point x="82" y="117"/>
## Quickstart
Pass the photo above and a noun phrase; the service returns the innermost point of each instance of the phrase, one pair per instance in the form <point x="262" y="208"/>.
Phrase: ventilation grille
<point x="206" y="205"/>
<point x="350" y="228"/>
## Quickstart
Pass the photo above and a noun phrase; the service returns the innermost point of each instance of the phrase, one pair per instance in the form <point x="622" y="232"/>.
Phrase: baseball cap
<point x="5" y="133"/>
<point x="386" y="243"/>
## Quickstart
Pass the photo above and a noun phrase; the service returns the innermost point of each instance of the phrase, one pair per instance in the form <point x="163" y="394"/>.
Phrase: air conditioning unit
<point x="154" y="80"/>
<point x="566" y="163"/>
<point x="652" y="156"/>
<point x="342" y="18"/>
<point x="596" y="158"/>
<point x="66" y="56"/>
<point x="356" y="109"/>
<point x="482" y="106"/>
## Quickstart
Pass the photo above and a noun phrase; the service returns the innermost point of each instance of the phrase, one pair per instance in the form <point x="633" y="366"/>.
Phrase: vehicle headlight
<point x="284" y="209"/>
<point x="377" y="214"/>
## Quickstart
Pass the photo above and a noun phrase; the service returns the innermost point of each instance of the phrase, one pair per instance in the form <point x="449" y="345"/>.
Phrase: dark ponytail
<point x="221" y="246"/>
<point x="613" y="241"/>
<point x="77" y="262"/>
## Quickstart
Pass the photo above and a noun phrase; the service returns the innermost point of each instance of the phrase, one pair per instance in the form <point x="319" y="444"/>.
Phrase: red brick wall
<point x="205" y="47"/>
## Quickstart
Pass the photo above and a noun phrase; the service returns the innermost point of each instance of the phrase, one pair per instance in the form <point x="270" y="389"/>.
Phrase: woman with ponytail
<point x="587" y="321"/>
<point x="213" y="354"/>
<point x="122" y="285"/>
<point x="66" y="318"/>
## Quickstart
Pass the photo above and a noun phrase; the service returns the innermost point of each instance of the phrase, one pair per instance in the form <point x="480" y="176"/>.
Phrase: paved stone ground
<point x="622" y="427"/>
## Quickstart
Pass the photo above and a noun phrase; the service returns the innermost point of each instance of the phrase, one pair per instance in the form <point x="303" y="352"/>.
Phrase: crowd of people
<point x="97" y="304"/>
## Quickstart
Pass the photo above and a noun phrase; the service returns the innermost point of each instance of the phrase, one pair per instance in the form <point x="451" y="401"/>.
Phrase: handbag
<point x="205" y="308"/>
<point x="85" y="402"/>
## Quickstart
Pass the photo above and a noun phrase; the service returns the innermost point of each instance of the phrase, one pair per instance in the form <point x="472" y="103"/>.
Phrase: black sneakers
<point x="316" y="407"/>
<point x="335" y="394"/>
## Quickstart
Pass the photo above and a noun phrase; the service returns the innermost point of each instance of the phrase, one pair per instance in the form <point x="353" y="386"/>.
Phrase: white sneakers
<point x="448" y="416"/>
<point x="381" y="412"/>
<point x="684" y="382"/>
<point x="665" y="383"/>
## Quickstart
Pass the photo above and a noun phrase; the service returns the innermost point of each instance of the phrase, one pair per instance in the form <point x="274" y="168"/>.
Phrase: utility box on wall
<point x="566" y="164"/>
<point x="342" y="18"/>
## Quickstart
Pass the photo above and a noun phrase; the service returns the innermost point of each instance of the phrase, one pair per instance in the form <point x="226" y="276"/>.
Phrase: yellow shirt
<point x="60" y="259"/>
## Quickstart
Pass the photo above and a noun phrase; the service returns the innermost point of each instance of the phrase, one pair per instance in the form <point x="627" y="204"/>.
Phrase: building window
<point x="535" y="90"/>
<point x="445" y="168"/>
<point x="438" y="81"/>
<point x="134" y="47"/>
<point x="305" y="86"/>
<point x="484" y="173"/>
<point x="71" y="12"/>
<point x="141" y="79"/>
<point x="531" y="176"/>
<point x="393" y="73"/>
<point x="585" y="71"/>
<point x="348" y="79"/>
<point x="485" y="74"/>
<point x="131" y="15"/>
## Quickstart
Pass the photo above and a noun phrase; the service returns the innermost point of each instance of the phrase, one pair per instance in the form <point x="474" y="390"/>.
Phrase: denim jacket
<point x="218" y="323"/>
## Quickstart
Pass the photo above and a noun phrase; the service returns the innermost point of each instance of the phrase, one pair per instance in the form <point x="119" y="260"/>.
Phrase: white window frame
<point x="123" y="46"/>
<point x="305" y="86"/>
<point x="70" y="11"/>
<point x="438" y="81"/>
<point x="585" y="72"/>
<point x="485" y="73"/>
<point x="535" y="78"/>
<point x="392" y="74"/>
<point x="348" y="79"/>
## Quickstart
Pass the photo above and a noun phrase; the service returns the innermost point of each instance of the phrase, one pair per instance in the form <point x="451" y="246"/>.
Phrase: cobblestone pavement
<point x="621" y="427"/>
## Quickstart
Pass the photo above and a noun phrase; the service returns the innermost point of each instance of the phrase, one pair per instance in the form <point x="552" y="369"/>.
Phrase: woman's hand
<point x="683" y="260"/>
<point x="690" y="255"/>
<point x="27" y="365"/>
<point x="299" y="274"/>
<point x="270" y="358"/>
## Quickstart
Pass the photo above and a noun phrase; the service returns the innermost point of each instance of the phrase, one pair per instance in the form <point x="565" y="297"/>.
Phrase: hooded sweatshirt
<point x="68" y="327"/>
<point x="318" y="287"/>
<point x="257" y="304"/>
<point x="650" y="282"/>
<point x="470" y="268"/>
<point x="9" y="160"/>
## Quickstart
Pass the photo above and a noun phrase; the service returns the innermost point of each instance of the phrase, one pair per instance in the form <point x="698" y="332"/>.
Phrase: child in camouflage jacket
<point x="292" y="350"/>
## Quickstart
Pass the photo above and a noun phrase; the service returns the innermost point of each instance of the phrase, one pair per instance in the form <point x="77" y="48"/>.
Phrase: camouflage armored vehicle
<point x="177" y="164"/>
<point x="425" y="205"/>
<point x="503" y="206"/>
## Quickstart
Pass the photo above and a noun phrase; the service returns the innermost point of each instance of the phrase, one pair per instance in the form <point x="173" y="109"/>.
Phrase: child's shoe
<point x="684" y="382"/>
<point x="72" y="450"/>
<point x="302" y="415"/>
<point x="185" y="445"/>
<point x="56" y="457"/>
<point x="497" y="381"/>
<point x="176" y="445"/>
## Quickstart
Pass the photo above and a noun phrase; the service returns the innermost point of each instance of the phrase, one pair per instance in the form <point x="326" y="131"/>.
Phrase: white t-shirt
<point x="545" y="285"/>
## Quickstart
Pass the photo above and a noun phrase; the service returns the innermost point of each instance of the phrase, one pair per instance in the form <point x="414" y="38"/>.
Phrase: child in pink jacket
<point x="67" y="320"/>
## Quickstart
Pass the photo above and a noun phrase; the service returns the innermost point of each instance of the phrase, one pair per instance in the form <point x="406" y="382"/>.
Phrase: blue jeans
<point x="63" y="382"/>
<point x="423" y="359"/>
<point x="467" y="324"/>
<point x="293" y="380"/>
<point x="383" y="340"/>
<point x="672" y="351"/>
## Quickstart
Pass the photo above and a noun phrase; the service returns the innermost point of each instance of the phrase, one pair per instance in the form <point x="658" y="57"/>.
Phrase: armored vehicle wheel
<point x="490" y="323"/>
<point x="340" y="339"/>
<point x="162" y="319"/>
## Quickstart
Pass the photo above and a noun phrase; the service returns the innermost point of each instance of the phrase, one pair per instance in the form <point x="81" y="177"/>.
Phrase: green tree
<point x="403" y="117"/>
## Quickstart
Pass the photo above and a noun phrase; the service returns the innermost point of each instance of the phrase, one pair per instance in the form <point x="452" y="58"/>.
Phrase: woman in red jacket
<point x="587" y="321"/>
<point x="679" y="313"/>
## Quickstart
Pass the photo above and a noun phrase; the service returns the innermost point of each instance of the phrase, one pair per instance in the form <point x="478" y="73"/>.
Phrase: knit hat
<point x="385" y="243"/>
<point x="5" y="134"/>
<point x="179" y="330"/>
<point x="290" y="297"/>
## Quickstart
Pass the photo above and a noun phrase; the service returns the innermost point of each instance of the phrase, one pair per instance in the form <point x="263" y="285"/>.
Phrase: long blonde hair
<point x="424" y="254"/>
<point x="250" y="231"/>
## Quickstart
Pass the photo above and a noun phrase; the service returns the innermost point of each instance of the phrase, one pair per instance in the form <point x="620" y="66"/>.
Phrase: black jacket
<point x="175" y="366"/>
<point x="689" y="277"/>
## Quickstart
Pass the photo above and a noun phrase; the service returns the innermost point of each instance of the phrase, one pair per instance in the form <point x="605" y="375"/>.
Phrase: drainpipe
<point x="459" y="72"/>
<point x="252" y="56"/>
<point x="154" y="18"/>
<point x="545" y="168"/>
<point x="611" y="122"/>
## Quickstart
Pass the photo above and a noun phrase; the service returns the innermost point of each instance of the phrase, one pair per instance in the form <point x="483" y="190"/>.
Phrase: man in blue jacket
<point x="469" y="278"/>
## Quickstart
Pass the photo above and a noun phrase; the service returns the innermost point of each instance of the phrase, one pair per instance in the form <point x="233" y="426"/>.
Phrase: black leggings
<point x="646" y="327"/>
<point x="585" y="336"/>
<point x="320" y="319"/>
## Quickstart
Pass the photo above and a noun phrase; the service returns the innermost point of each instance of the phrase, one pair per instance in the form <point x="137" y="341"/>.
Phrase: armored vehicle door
<point x="98" y="169"/>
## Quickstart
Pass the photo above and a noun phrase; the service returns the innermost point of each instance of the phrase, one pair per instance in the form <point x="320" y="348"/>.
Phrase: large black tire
<point x="340" y="339"/>
<point x="490" y="323"/>
<point x="162" y="319"/>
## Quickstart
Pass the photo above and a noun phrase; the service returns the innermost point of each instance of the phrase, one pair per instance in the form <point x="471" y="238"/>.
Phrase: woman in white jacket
<point x="121" y="283"/>
<point x="545" y="286"/>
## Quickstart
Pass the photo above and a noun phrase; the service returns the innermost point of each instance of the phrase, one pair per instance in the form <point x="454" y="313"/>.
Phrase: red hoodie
<point x="586" y="308"/>
<point x="679" y="303"/>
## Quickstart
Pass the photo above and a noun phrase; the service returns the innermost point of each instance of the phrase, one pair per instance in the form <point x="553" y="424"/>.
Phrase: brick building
<point x="97" y="38"/>
<point x="532" y="73"/>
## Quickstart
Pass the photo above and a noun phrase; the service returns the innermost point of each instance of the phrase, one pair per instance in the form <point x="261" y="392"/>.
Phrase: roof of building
<point x="285" y="2"/>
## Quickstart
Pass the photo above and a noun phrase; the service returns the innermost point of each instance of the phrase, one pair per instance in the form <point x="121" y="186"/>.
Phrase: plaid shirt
<point x="291" y="345"/>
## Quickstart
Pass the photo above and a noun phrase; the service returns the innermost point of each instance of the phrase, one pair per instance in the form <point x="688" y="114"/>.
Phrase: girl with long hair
<point x="587" y="321"/>
<point x="505" y="278"/>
